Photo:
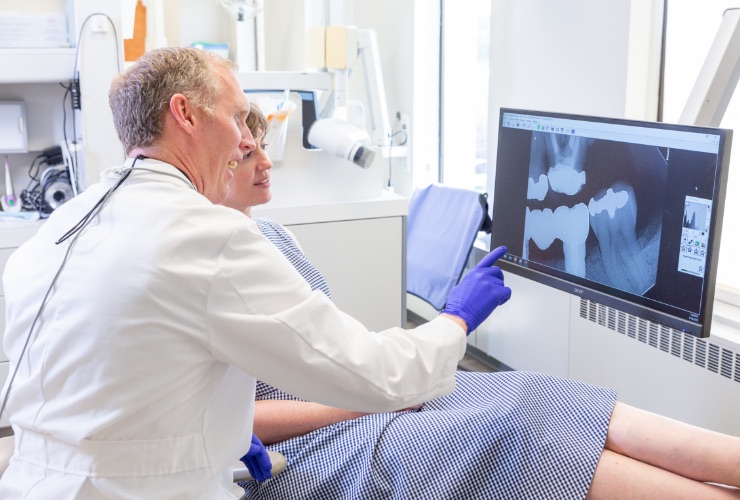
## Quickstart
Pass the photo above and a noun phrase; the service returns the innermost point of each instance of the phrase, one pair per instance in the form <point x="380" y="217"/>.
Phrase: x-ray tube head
<point x="342" y="139"/>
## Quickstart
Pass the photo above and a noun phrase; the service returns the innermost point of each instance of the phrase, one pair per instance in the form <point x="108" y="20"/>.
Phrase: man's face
<point x="251" y="184"/>
<point x="225" y="138"/>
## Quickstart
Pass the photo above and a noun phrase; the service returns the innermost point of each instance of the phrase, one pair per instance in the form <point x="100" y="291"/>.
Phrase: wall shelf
<point x="36" y="65"/>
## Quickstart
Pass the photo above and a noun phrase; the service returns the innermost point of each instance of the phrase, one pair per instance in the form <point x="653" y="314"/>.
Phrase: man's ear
<point x="183" y="111"/>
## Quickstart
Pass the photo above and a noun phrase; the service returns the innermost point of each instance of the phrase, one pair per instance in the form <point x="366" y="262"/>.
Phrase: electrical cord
<point x="33" y="196"/>
<point x="31" y="175"/>
<point x="74" y="160"/>
<point x="64" y="128"/>
<point x="79" y="39"/>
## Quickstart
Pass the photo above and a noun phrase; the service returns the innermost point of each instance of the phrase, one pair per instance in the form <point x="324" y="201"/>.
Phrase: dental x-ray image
<point x="588" y="212"/>
<point x="624" y="212"/>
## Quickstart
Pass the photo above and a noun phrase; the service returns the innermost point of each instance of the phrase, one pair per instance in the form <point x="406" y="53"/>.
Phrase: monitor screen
<point x="622" y="212"/>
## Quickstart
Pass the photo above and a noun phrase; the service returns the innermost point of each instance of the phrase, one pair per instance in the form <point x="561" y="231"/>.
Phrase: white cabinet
<point x="360" y="248"/>
<point x="362" y="261"/>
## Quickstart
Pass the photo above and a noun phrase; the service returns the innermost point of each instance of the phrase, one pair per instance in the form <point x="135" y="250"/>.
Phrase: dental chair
<point x="443" y="223"/>
<point x="241" y="473"/>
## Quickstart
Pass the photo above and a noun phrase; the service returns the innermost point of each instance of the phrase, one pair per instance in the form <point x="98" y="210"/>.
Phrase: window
<point x="465" y="41"/>
<point x="690" y="31"/>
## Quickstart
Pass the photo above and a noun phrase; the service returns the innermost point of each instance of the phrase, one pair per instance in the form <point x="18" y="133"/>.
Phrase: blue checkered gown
<point x="508" y="435"/>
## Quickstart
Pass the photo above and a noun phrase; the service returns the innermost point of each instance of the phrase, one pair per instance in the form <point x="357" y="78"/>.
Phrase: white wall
<point x="570" y="56"/>
<point x="573" y="56"/>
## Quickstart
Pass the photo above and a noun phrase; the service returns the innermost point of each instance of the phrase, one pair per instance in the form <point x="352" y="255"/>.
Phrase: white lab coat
<point x="139" y="379"/>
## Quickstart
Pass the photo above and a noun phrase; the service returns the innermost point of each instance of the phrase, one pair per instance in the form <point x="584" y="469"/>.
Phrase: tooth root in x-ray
<point x="614" y="220"/>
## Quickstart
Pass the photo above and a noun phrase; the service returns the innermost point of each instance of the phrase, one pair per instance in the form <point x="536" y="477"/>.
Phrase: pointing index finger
<point x="492" y="257"/>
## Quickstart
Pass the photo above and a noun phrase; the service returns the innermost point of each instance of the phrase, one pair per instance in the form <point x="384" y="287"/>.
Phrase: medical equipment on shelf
<point x="343" y="47"/>
<point x="342" y="42"/>
<point x="9" y="201"/>
<point x="308" y="173"/>
<point x="56" y="188"/>
<point x="343" y="140"/>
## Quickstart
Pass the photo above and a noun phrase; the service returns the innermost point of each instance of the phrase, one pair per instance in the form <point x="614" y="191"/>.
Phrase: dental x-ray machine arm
<point x="367" y="54"/>
<point x="718" y="76"/>
<point x="379" y="124"/>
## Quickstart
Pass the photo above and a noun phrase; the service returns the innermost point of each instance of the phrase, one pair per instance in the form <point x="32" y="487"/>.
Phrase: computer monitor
<point x="625" y="213"/>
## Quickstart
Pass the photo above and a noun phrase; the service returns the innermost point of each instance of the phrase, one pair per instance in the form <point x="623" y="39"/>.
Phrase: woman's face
<point x="251" y="183"/>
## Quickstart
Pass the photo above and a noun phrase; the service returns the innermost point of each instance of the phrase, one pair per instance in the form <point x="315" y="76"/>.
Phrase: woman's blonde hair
<point x="257" y="122"/>
<point x="139" y="97"/>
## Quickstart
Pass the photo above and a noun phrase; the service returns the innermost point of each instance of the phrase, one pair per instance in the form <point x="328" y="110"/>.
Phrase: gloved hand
<point x="479" y="292"/>
<point x="257" y="460"/>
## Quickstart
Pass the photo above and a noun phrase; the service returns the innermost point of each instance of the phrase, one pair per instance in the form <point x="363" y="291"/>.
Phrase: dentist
<point x="136" y="326"/>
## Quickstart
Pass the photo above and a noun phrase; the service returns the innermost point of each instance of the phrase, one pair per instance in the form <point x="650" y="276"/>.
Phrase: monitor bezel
<point x="613" y="297"/>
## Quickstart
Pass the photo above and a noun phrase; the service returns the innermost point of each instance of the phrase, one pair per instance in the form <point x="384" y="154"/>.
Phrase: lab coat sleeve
<point x="264" y="319"/>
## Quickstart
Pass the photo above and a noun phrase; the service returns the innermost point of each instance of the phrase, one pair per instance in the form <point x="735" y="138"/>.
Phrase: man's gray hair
<point x="139" y="96"/>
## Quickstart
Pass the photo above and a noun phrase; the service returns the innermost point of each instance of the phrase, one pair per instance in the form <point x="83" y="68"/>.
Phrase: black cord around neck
<point x="99" y="205"/>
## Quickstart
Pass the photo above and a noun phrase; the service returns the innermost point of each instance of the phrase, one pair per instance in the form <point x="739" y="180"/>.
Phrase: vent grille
<point x="700" y="352"/>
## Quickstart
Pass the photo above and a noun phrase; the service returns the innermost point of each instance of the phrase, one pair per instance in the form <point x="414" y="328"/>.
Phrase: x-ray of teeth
<point x="590" y="221"/>
<point x="620" y="212"/>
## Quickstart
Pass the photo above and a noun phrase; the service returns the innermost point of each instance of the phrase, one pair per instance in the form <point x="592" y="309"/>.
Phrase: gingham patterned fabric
<point x="508" y="435"/>
<point x="287" y="245"/>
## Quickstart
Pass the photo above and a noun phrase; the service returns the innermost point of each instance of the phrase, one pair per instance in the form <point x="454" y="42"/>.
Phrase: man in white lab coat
<point x="140" y="314"/>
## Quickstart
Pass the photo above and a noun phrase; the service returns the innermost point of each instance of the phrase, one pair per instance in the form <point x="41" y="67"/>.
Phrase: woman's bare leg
<point x="618" y="476"/>
<point x="674" y="446"/>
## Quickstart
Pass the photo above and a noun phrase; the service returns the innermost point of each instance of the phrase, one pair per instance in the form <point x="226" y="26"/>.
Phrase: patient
<point x="498" y="435"/>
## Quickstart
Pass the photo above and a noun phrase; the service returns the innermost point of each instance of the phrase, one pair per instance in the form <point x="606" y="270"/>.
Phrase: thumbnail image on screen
<point x="695" y="236"/>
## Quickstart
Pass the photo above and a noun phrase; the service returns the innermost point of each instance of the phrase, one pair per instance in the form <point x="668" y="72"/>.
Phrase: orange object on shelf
<point x="133" y="48"/>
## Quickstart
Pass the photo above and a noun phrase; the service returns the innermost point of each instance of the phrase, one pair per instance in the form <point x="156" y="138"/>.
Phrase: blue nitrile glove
<point x="479" y="292"/>
<point x="257" y="460"/>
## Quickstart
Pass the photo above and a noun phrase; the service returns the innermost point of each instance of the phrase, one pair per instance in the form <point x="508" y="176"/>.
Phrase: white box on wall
<point x="13" y="130"/>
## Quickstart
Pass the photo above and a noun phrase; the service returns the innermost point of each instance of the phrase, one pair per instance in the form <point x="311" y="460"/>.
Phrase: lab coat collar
<point x="147" y="167"/>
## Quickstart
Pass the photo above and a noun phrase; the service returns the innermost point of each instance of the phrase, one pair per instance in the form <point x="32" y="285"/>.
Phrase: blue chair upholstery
<point x="443" y="223"/>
